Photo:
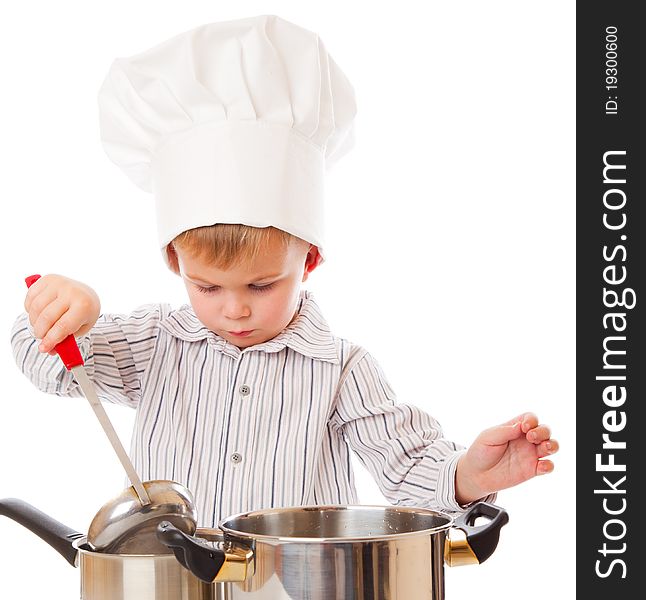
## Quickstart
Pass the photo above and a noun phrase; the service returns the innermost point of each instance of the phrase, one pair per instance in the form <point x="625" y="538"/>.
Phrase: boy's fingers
<point x="69" y="322"/>
<point x="33" y="292"/>
<point x="546" y="448"/>
<point x="544" y="466"/>
<point x="56" y="334"/>
<point x="528" y="419"/>
<point x="39" y="303"/>
<point x="500" y="434"/>
<point x="47" y="317"/>
<point x="539" y="434"/>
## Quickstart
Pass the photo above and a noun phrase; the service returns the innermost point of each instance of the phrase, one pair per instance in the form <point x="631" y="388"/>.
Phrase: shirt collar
<point x="308" y="334"/>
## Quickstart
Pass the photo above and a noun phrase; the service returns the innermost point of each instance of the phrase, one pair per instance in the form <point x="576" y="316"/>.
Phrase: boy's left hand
<point x="504" y="456"/>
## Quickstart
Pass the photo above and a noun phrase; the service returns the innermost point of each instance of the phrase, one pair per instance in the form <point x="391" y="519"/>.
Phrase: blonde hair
<point x="224" y="245"/>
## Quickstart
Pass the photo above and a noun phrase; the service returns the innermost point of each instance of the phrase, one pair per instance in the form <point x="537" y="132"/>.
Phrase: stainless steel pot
<point x="299" y="553"/>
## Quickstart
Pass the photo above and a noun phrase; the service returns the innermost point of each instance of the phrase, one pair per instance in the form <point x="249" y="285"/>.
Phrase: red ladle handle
<point x="68" y="349"/>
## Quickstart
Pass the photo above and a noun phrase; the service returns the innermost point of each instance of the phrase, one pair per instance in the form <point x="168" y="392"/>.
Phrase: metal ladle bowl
<point x="127" y="524"/>
<point x="124" y="526"/>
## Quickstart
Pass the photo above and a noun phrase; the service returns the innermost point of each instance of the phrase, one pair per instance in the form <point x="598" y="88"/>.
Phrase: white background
<point x="450" y="255"/>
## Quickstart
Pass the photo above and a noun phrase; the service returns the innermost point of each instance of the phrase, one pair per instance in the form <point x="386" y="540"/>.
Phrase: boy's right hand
<point x="58" y="306"/>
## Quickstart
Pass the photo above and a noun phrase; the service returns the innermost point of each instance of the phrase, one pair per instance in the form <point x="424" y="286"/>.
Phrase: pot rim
<point x="230" y="531"/>
<point x="243" y="535"/>
<point x="82" y="541"/>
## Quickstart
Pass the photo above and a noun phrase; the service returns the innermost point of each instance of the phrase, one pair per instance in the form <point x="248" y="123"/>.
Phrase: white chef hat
<point x="230" y="122"/>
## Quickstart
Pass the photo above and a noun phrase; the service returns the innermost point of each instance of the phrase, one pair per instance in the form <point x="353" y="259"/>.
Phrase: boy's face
<point x="248" y="304"/>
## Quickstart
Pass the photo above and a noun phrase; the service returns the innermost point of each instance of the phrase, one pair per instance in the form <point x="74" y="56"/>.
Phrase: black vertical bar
<point x="611" y="295"/>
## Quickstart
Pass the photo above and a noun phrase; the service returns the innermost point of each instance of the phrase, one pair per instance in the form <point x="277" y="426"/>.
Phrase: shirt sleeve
<point x="400" y="445"/>
<point x="116" y="352"/>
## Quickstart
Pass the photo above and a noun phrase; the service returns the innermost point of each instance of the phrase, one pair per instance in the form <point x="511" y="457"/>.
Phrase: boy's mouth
<point x="241" y="333"/>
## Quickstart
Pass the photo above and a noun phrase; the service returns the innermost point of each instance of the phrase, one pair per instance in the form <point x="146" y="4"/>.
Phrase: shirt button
<point x="236" y="458"/>
<point x="245" y="390"/>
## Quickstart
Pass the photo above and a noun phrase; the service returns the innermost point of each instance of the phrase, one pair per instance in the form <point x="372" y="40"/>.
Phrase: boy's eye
<point x="261" y="288"/>
<point x="214" y="288"/>
<point x="207" y="290"/>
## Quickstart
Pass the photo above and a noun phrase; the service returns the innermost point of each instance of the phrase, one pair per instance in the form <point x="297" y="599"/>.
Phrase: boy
<point x="245" y="396"/>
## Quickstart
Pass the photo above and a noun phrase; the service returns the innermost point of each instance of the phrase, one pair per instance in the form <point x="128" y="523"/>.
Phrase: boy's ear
<point x="312" y="260"/>
<point x="172" y="258"/>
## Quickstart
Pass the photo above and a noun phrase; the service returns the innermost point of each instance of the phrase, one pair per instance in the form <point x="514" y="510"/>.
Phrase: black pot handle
<point x="483" y="539"/>
<point x="58" y="536"/>
<point x="202" y="560"/>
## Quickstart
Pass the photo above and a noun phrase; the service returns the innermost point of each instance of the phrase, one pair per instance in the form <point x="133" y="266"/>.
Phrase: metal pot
<point x="299" y="553"/>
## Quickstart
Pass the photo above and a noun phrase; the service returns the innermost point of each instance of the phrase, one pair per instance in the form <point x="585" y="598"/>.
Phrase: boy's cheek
<point x="204" y="310"/>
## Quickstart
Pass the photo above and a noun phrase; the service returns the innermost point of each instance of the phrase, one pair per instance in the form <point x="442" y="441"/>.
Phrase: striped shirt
<point x="259" y="427"/>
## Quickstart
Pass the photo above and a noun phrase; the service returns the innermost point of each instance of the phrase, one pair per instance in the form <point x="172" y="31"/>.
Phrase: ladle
<point x="127" y="523"/>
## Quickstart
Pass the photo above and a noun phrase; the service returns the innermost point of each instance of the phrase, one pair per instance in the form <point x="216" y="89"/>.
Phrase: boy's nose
<point x="236" y="308"/>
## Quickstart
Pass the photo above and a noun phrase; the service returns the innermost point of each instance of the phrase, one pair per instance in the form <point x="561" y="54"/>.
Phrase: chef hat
<point x="230" y="122"/>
